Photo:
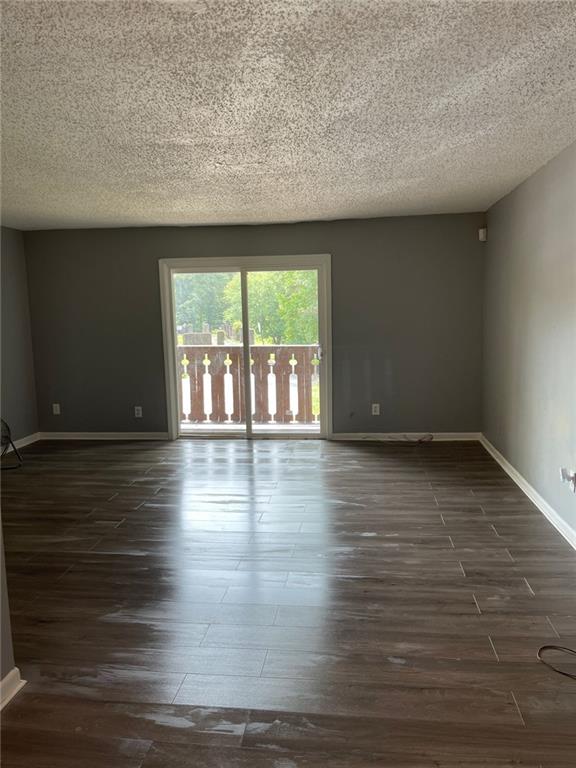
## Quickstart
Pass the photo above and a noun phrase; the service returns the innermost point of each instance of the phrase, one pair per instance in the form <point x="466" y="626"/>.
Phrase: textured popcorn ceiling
<point x="224" y="111"/>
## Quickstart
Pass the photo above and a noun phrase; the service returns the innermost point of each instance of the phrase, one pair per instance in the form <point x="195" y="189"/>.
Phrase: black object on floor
<point x="6" y="442"/>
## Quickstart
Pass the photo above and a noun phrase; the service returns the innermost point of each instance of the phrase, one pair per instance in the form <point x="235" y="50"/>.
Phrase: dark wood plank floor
<point x="295" y="604"/>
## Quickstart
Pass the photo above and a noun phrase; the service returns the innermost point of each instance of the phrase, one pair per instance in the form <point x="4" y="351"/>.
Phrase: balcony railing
<point x="285" y="385"/>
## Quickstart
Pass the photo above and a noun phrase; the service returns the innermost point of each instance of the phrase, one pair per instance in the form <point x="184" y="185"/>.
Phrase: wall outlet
<point x="375" y="409"/>
<point x="137" y="411"/>
<point x="56" y="409"/>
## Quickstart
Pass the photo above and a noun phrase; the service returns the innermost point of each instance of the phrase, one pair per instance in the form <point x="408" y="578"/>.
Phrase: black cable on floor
<point x="561" y="649"/>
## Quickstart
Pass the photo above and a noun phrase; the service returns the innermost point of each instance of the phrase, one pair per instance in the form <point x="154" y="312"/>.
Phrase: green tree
<point x="263" y="306"/>
<point x="199" y="298"/>
<point x="282" y="306"/>
<point x="298" y="306"/>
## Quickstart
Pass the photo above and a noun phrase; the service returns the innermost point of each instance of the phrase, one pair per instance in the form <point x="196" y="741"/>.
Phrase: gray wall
<point x="530" y="354"/>
<point x="6" y="652"/>
<point x="407" y="318"/>
<point x="18" y="387"/>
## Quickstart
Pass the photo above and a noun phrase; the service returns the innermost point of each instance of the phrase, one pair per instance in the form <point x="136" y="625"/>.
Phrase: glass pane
<point x="284" y="359"/>
<point x="209" y="351"/>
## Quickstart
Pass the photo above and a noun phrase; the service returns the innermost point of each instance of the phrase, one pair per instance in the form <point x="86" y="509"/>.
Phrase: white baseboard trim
<point x="28" y="440"/>
<point x="103" y="436"/>
<point x="371" y="436"/>
<point x="406" y="437"/>
<point x="24" y="441"/>
<point x="10" y="685"/>
<point x="549" y="513"/>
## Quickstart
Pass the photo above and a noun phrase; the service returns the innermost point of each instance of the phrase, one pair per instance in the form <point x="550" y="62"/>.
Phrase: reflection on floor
<point x="235" y="604"/>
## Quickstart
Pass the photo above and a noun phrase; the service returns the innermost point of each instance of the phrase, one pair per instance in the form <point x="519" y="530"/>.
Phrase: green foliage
<point x="199" y="298"/>
<point x="297" y="299"/>
<point x="283" y="306"/>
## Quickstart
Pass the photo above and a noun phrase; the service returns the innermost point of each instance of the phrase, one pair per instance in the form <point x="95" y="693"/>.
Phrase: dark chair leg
<point x="17" y="452"/>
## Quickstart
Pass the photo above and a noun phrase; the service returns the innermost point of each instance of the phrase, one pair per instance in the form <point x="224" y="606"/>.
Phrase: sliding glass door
<point x="244" y="346"/>
<point x="209" y="351"/>
<point x="285" y="351"/>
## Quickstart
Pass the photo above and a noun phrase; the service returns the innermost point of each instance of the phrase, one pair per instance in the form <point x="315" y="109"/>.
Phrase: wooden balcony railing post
<point x="207" y="389"/>
<point x="228" y="390"/>
<point x="293" y="389"/>
<point x="271" y="379"/>
<point x="186" y="398"/>
<point x="252" y="387"/>
<point x="315" y="389"/>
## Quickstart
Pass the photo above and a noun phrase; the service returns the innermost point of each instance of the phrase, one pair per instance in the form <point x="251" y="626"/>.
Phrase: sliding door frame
<point x="244" y="264"/>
